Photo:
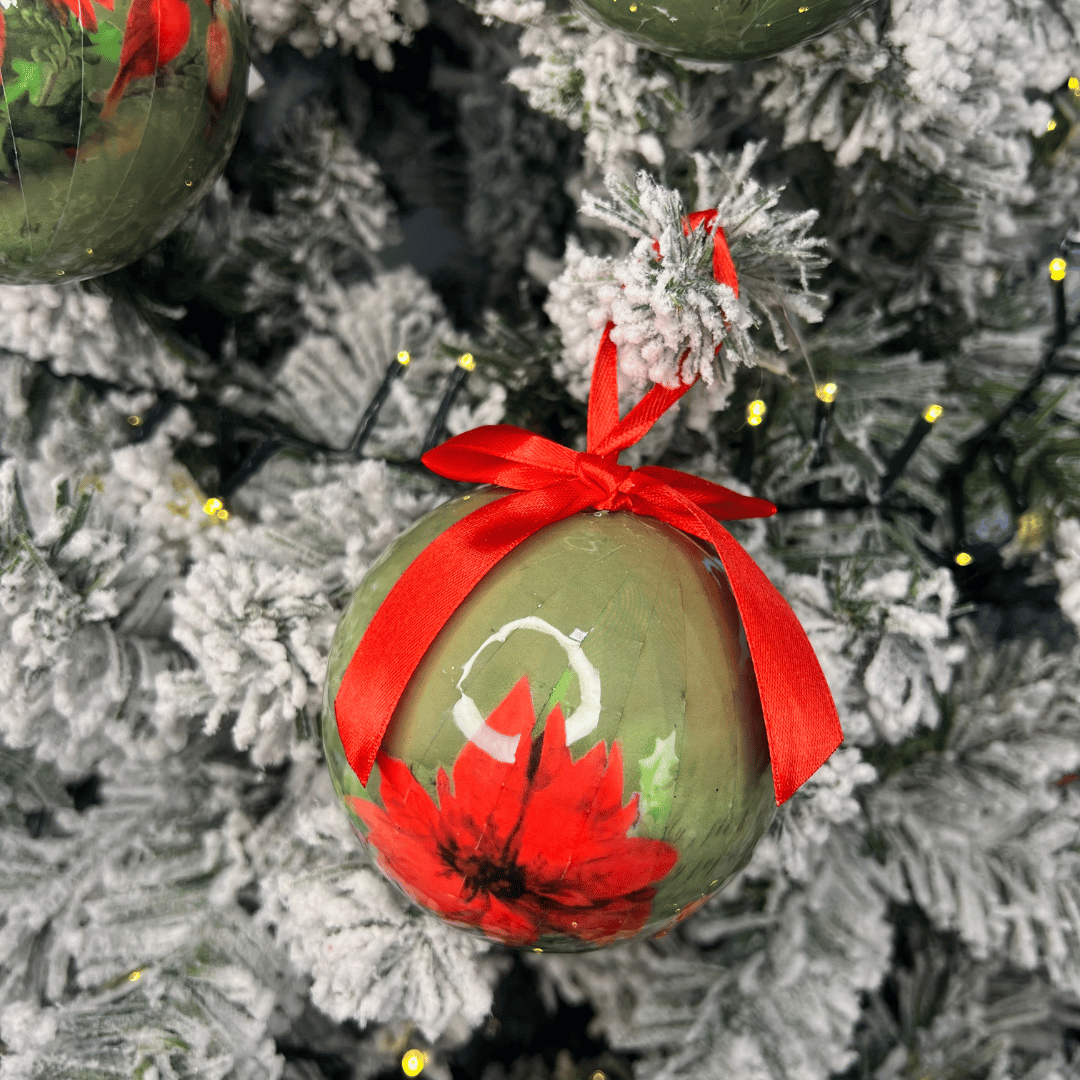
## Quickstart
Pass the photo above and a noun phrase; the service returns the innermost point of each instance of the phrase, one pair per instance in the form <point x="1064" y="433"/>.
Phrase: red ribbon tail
<point x="801" y="722"/>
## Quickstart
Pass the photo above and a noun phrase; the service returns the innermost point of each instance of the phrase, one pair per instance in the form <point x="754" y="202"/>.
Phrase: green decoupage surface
<point x="113" y="124"/>
<point x="722" y="30"/>
<point x="658" y="626"/>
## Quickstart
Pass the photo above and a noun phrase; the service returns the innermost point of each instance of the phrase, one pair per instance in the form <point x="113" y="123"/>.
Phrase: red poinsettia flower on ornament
<point x="522" y="849"/>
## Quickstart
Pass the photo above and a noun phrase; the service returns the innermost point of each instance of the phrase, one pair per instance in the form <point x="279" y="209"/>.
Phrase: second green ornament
<point x="722" y="30"/>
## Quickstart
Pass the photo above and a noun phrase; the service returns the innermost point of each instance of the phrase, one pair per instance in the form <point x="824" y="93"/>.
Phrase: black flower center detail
<point x="504" y="880"/>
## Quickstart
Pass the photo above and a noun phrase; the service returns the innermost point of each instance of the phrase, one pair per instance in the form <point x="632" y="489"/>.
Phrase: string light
<point x="412" y="1064"/>
<point x="134" y="421"/>
<point x="403" y="358"/>
<point x="1057" y="269"/>
<point x="894" y="467"/>
<point x="755" y="412"/>
<point x="1074" y="85"/>
<point x="1051" y="125"/>
<point x="135" y="976"/>
<point x="598" y="1075"/>
<point x="213" y="508"/>
<point x="466" y="361"/>
<point x="963" y="558"/>
<point x="826" y="392"/>
<point x="1031" y="530"/>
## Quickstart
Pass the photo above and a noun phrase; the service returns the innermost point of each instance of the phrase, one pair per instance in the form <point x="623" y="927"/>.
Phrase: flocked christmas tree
<point x="431" y="214"/>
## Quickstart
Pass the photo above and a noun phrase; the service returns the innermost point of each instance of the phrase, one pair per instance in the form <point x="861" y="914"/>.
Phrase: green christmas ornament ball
<point x="116" y="117"/>
<point x="722" y="30"/>
<point x="581" y="757"/>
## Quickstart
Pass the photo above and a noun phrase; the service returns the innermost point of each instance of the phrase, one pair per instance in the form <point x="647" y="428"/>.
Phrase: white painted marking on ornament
<point x="581" y="721"/>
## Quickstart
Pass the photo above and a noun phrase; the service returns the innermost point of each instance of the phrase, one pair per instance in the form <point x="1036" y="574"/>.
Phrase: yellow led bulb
<point x="412" y="1064"/>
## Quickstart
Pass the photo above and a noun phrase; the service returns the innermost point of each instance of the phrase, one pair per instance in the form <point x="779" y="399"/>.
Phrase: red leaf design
<point x="538" y="846"/>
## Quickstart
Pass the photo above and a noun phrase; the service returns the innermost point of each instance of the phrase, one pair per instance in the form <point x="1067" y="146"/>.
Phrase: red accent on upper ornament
<point x="219" y="66"/>
<point x="553" y="482"/>
<point x="520" y="850"/>
<point x="155" y="34"/>
<point x="83" y="10"/>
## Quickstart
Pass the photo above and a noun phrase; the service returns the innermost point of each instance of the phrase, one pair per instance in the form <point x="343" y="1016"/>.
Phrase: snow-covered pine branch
<point x="593" y="80"/>
<point x="371" y="955"/>
<point x="934" y="109"/>
<point x="366" y="28"/>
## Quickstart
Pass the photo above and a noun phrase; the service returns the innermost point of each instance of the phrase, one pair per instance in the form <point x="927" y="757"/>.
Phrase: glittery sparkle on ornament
<point x="116" y="118"/>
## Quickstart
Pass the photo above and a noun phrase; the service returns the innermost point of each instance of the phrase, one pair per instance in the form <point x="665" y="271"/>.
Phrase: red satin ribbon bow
<point x="552" y="482"/>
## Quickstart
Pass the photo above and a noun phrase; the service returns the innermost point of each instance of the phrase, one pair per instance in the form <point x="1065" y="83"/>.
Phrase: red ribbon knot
<point x="552" y="482"/>
<point x="607" y="476"/>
